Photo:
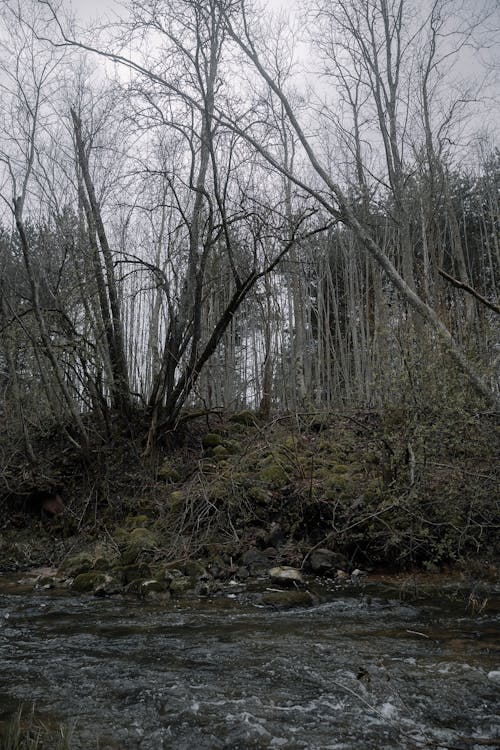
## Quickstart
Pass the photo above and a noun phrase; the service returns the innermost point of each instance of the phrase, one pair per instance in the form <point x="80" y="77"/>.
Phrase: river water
<point x="370" y="668"/>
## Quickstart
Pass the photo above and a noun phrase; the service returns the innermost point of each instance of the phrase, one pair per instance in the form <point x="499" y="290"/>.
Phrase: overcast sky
<point x="97" y="7"/>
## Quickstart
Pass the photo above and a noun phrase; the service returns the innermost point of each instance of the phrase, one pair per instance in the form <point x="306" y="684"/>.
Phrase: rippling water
<point x="360" y="671"/>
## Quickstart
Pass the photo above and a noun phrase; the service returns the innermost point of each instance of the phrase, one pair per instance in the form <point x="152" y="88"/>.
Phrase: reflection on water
<point x="355" y="672"/>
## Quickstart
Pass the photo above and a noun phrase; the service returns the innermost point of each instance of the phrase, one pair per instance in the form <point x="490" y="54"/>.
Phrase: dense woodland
<point x="209" y="206"/>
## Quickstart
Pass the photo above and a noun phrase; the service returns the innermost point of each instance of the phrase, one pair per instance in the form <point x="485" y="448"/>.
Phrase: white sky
<point x="94" y="8"/>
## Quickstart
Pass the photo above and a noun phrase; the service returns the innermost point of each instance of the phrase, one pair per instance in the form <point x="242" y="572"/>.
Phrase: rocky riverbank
<point x="133" y="562"/>
<point x="232" y="498"/>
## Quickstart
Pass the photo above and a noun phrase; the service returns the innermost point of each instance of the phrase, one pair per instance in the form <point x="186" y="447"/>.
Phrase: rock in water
<point x="287" y="599"/>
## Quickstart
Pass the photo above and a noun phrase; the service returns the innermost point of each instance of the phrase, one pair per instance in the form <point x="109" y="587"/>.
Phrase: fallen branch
<point x="470" y="290"/>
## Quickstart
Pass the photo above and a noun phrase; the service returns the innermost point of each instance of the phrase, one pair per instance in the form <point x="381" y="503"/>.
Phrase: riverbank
<point x="230" y="497"/>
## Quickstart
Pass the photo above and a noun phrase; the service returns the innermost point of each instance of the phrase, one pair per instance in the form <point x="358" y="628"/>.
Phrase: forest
<point x="217" y="215"/>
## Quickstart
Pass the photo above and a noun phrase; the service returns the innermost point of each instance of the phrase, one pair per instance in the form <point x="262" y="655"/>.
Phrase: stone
<point x="82" y="563"/>
<point x="252" y="556"/>
<point x="181" y="585"/>
<point x="275" y="537"/>
<point x="104" y="563"/>
<point x="194" y="569"/>
<point x="139" y="541"/>
<point x="211" y="440"/>
<point x="220" y="452"/>
<point x="286" y="576"/>
<point x="110" y="587"/>
<point x="168" y="473"/>
<point x="129" y="573"/>
<point x="86" y="582"/>
<point x="153" y="585"/>
<point x="287" y="599"/>
<point x="175" y="501"/>
<point x="323" y="561"/>
<point x="358" y="574"/>
<point x="246" y="417"/>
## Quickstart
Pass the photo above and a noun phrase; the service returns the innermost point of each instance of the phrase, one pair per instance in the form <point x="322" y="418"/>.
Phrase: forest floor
<point x="231" y="496"/>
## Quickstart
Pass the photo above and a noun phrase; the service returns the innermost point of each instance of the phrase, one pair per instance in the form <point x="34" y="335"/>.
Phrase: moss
<point x="219" y="452"/>
<point x="88" y="581"/>
<point x="139" y="540"/>
<point x="168" y="473"/>
<point x="246" y="417"/>
<point x="258" y="495"/>
<point x="175" y="501"/>
<point x="182" y="585"/>
<point x="232" y="446"/>
<point x="128" y="573"/>
<point x="194" y="568"/>
<point x="137" y="522"/>
<point x="104" y="562"/>
<point x="290" y="443"/>
<point x="77" y="564"/>
<point x="211" y="440"/>
<point x="120" y="535"/>
<point x="142" y="537"/>
<point x="274" y="475"/>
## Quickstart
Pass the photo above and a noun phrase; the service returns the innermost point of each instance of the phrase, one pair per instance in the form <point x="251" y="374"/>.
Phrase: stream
<point x="370" y="668"/>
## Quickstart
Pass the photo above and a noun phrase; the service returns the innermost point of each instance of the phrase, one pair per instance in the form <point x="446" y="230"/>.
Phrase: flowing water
<point x="366" y="669"/>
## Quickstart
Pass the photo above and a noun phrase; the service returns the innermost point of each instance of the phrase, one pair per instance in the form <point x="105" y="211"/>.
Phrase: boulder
<point x="212" y="440"/>
<point x="153" y="585"/>
<point x="81" y="563"/>
<point x="182" y="585"/>
<point x="86" y="582"/>
<point x="324" y="561"/>
<point x="254" y="556"/>
<point x="283" y="575"/>
<point x="129" y="573"/>
<point x="137" y="543"/>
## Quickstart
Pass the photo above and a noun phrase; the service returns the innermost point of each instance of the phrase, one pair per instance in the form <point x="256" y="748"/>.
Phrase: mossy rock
<point x="168" y="473"/>
<point x="143" y="537"/>
<point x="81" y="563"/>
<point x="219" y="452"/>
<point x="120" y="534"/>
<point x="139" y="541"/>
<point x="104" y="563"/>
<point x="153" y="585"/>
<point x="287" y="599"/>
<point x="258" y="495"/>
<point x="290" y="443"/>
<point x="182" y="585"/>
<point x="212" y="440"/>
<point x="246" y="417"/>
<point x="86" y="582"/>
<point x="176" y="500"/>
<point x="128" y="573"/>
<point x="218" y="490"/>
<point x="232" y="446"/>
<point x="194" y="569"/>
<point x="137" y="522"/>
<point x="274" y="475"/>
